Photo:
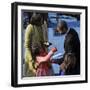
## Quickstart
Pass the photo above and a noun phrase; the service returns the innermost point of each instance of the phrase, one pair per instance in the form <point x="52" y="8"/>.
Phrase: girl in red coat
<point x="43" y="61"/>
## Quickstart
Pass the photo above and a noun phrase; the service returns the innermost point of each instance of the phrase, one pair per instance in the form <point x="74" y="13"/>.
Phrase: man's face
<point x="61" y="29"/>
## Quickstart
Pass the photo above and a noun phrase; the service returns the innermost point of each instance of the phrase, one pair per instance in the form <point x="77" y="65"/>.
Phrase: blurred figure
<point x="71" y="45"/>
<point x="33" y="36"/>
<point x="68" y="65"/>
<point x="43" y="61"/>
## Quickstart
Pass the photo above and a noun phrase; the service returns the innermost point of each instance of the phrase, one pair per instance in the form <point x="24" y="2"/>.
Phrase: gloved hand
<point x="47" y="44"/>
<point x="54" y="49"/>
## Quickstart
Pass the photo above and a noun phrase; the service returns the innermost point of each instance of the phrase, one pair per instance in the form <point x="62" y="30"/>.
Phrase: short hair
<point x="36" y="19"/>
<point x="63" y="24"/>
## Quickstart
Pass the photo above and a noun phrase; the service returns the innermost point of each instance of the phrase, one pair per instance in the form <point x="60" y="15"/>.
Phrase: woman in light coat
<point x="33" y="36"/>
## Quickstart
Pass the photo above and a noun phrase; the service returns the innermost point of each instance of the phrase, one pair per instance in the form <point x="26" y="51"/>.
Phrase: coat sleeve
<point x="41" y="59"/>
<point x="69" y="44"/>
<point x="28" y="36"/>
<point x="28" y="56"/>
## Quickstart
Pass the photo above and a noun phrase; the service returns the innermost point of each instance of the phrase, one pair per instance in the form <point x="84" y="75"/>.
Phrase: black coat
<point x="72" y="45"/>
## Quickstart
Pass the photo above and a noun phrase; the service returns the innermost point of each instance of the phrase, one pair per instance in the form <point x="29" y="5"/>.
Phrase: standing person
<point x="33" y="36"/>
<point x="71" y="45"/>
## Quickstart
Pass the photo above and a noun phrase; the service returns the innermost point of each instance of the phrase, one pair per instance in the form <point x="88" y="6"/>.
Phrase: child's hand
<point x="54" y="49"/>
<point x="62" y="66"/>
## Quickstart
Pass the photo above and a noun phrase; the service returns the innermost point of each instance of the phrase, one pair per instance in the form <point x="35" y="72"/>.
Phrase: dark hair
<point x="35" y="50"/>
<point x="70" y="59"/>
<point x="63" y="24"/>
<point x="36" y="19"/>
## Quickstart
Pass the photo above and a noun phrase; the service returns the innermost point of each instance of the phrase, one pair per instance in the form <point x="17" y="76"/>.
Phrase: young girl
<point x="43" y="61"/>
<point x="68" y="65"/>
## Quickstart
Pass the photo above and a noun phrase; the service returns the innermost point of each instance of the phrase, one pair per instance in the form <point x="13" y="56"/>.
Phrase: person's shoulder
<point x="70" y="34"/>
<point x="72" y="31"/>
<point x="30" y="26"/>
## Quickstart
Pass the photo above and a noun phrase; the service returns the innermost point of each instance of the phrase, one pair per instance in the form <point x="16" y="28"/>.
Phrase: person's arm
<point x="28" y="34"/>
<point x="29" y="59"/>
<point x="46" y="58"/>
<point x="58" y="61"/>
<point x="69" y="44"/>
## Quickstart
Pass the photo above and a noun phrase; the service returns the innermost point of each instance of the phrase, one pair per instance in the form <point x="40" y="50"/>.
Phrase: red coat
<point x="44" y="68"/>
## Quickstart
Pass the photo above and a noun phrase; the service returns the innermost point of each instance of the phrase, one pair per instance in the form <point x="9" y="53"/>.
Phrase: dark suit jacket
<point x="72" y="45"/>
